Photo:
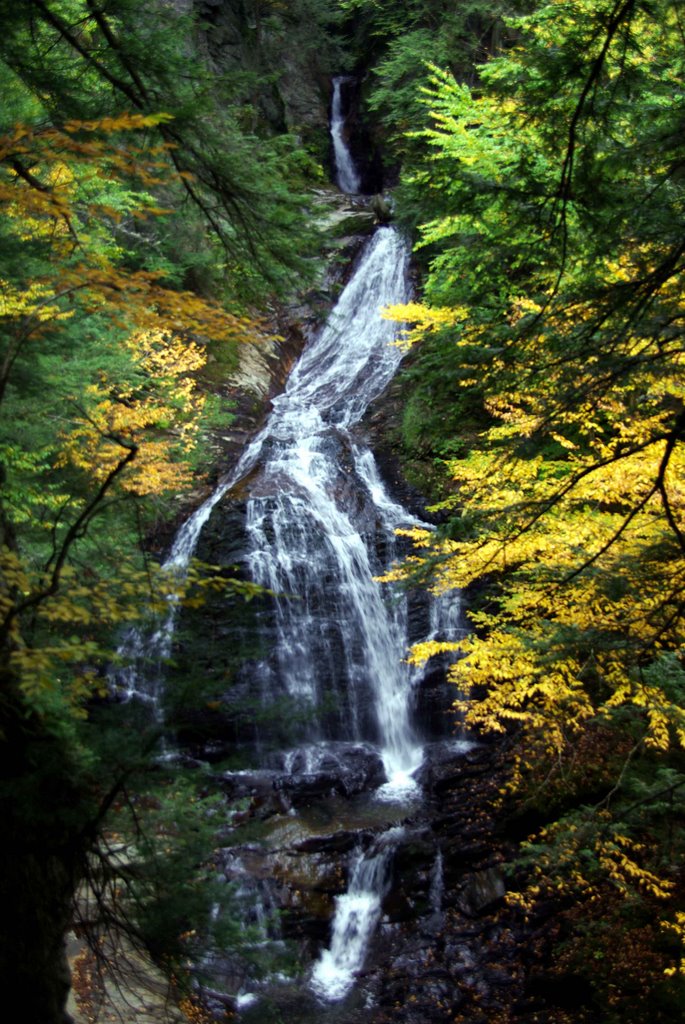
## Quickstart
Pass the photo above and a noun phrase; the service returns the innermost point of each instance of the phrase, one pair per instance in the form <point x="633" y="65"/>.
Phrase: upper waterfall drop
<point x="347" y="177"/>
<point x="319" y="515"/>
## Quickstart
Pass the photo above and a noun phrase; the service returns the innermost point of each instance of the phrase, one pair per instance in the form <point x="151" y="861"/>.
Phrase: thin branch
<point x="65" y="31"/>
<point x="673" y="438"/>
<point x="612" y="540"/>
<point x="115" y="46"/>
<point x="622" y="9"/>
<point x="30" y="179"/>
<point x="29" y="323"/>
<point x="576" y="478"/>
<point x="624" y="768"/>
<point x="666" y="791"/>
<point x="620" y="12"/>
<point x="75" y="531"/>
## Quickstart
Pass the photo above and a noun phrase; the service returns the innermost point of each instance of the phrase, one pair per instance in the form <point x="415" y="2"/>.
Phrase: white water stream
<point x="309" y="531"/>
<point x="302" y="530"/>
<point x="320" y="526"/>
<point x="356" y="915"/>
<point x="347" y="176"/>
<point x="144" y="654"/>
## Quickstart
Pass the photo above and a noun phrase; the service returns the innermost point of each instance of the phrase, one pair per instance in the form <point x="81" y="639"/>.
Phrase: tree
<point x="86" y="60"/>
<point x="95" y="352"/>
<point x="104" y="138"/>
<point x="398" y="40"/>
<point x="553" y="299"/>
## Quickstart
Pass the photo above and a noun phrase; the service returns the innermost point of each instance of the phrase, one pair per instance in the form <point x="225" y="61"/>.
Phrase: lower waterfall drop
<point x="357" y="913"/>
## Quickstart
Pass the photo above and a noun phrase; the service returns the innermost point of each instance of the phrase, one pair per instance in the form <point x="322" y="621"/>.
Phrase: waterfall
<point x="320" y="527"/>
<point x="347" y="177"/>
<point x="316" y="519"/>
<point x="356" y="916"/>
<point x="311" y="546"/>
<point x="307" y="545"/>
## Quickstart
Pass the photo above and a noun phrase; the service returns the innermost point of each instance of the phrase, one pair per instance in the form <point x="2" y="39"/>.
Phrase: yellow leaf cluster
<point x="423" y="319"/>
<point x="51" y="180"/>
<point x="160" y="418"/>
<point x="676" y="927"/>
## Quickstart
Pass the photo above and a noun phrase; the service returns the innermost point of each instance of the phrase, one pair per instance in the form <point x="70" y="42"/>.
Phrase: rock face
<point x="283" y="52"/>
<point x="446" y="948"/>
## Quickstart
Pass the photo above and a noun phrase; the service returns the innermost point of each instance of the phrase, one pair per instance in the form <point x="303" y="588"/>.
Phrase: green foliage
<point x="400" y="40"/>
<point x="173" y="892"/>
<point x="84" y="61"/>
<point x="553" y="209"/>
<point x="145" y="212"/>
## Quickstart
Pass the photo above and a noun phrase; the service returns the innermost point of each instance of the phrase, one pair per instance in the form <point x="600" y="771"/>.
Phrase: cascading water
<point x="305" y="538"/>
<point x="437" y="889"/>
<point x="320" y="526"/>
<point x="306" y="525"/>
<point x="356" y="916"/>
<point x="347" y="176"/>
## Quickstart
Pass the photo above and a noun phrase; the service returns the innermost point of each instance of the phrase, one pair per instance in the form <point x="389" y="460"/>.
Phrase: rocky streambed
<point x="446" y="946"/>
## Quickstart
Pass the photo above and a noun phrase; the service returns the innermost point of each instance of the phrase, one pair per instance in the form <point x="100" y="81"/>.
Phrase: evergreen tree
<point x="552" y="329"/>
<point x="397" y="41"/>
<point x="141" y="222"/>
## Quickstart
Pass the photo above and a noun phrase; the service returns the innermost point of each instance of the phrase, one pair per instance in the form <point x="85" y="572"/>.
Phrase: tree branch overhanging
<point x="75" y="531"/>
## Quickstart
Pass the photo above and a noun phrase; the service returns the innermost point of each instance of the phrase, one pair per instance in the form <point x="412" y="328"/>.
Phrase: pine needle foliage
<point x="554" y="209"/>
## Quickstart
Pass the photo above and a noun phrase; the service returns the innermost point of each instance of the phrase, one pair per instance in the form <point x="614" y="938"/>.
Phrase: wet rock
<point x="345" y="769"/>
<point x="444" y="765"/>
<point x="247" y="783"/>
<point x="434" y="700"/>
<point x="381" y="208"/>
<point x="341" y="216"/>
<point x="422" y="985"/>
<point x="336" y="842"/>
<point x="482" y="891"/>
<point x="255" y="794"/>
<point x="301" y="788"/>
<point x="353" y="222"/>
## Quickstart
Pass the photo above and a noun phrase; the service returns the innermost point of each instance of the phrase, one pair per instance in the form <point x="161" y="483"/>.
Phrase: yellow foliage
<point x="36" y="301"/>
<point x="133" y="347"/>
<point x="137" y="415"/>
<point x="423" y="320"/>
<point x="50" y="181"/>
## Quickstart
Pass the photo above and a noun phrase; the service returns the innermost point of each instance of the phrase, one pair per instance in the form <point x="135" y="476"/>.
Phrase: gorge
<point x="315" y="525"/>
<point x="342" y="681"/>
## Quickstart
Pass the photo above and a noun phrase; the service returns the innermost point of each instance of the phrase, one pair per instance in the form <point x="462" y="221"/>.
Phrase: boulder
<point x="481" y="891"/>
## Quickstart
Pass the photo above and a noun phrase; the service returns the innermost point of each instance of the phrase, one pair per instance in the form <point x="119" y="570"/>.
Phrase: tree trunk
<point x="36" y="903"/>
<point x="44" y="817"/>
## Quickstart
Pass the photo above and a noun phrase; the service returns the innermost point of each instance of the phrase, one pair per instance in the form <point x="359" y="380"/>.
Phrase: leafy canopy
<point x="554" y="212"/>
